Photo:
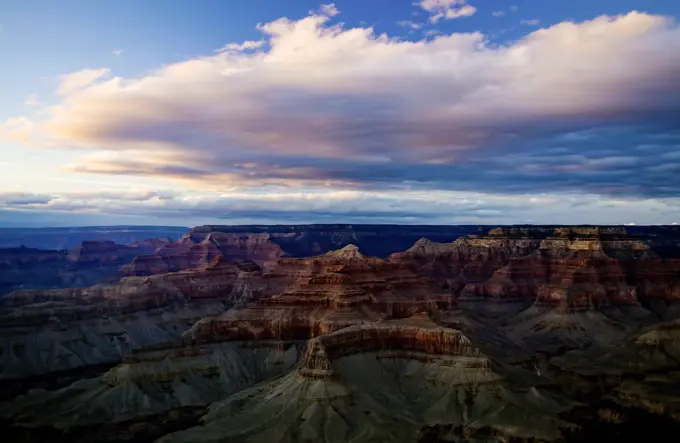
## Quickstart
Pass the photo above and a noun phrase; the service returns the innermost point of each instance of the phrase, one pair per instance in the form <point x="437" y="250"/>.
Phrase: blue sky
<point x="475" y="112"/>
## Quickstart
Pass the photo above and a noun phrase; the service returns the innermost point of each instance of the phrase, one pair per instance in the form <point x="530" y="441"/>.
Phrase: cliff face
<point x="80" y="327"/>
<point x="573" y="267"/>
<point x="197" y="249"/>
<point x="266" y="244"/>
<point x="346" y="343"/>
<point x="303" y="298"/>
<point x="343" y="346"/>
<point x="468" y="259"/>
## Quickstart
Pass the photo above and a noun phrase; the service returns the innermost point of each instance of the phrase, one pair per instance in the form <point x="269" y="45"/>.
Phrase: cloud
<point x="240" y="47"/>
<point x="498" y="13"/>
<point x="77" y="81"/>
<point x="564" y="109"/>
<point x="117" y="52"/>
<point x="272" y="205"/>
<point x="329" y="10"/>
<point x="446" y="9"/>
<point x="32" y="100"/>
<point x="410" y="24"/>
<point x="532" y="22"/>
<point x="17" y="129"/>
<point x="23" y="199"/>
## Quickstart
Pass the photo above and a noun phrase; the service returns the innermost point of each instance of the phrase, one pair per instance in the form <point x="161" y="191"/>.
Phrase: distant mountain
<point x="69" y="238"/>
<point x="89" y="263"/>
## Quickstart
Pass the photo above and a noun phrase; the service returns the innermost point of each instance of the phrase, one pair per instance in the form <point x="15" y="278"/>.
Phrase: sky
<point x="179" y="112"/>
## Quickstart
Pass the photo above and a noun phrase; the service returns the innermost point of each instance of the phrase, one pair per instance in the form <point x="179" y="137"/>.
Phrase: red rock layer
<point x="579" y="274"/>
<point x="197" y="249"/>
<point x="304" y="298"/>
<point x="414" y="338"/>
<point x="468" y="259"/>
<point x="577" y="267"/>
<point x="218" y="280"/>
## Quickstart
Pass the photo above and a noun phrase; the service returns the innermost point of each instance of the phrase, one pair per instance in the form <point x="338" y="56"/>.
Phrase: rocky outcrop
<point x="343" y="346"/>
<point x="383" y="382"/>
<point x="197" y="249"/>
<point x="266" y="244"/>
<point x="57" y="330"/>
<point x="468" y="259"/>
<point x="583" y="273"/>
<point x="572" y="267"/>
<point x="303" y="298"/>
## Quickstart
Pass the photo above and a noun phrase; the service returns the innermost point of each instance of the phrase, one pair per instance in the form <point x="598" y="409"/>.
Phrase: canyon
<point x="88" y="263"/>
<point x="301" y="334"/>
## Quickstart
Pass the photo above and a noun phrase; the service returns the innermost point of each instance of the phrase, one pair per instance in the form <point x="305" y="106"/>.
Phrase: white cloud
<point x="410" y="24"/>
<point x="17" y="129"/>
<point x="117" y="52"/>
<point x="240" y="47"/>
<point x="77" y="81"/>
<point x="498" y="13"/>
<point x="514" y="8"/>
<point x="446" y="9"/>
<point x="308" y="205"/>
<point x="323" y="105"/>
<point x="329" y="10"/>
<point x="32" y="100"/>
<point x="531" y="22"/>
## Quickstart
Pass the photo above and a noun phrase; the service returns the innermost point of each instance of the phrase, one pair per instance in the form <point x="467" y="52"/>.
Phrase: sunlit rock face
<point x="468" y="259"/>
<point x="574" y="267"/>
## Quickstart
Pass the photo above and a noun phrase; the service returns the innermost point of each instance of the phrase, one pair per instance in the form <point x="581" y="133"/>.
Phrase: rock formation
<point x="70" y="329"/>
<point x="265" y="244"/>
<point x="589" y="271"/>
<point x="197" y="249"/>
<point x="576" y="267"/>
<point x="467" y="259"/>
<point x="522" y="334"/>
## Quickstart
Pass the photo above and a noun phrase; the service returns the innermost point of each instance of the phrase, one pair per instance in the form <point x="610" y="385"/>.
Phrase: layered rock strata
<point x="574" y="267"/>
<point x="57" y="330"/>
<point x="195" y="249"/>
<point x="384" y="381"/>
<point x="265" y="244"/>
<point x="343" y="347"/>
